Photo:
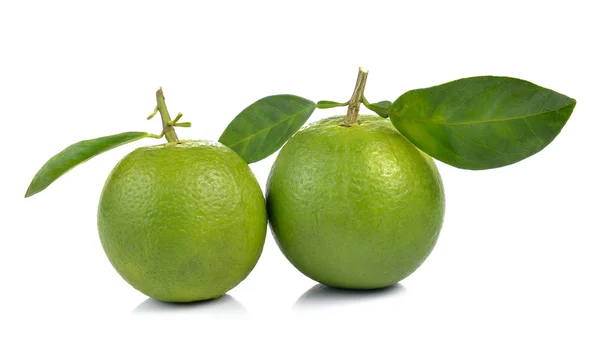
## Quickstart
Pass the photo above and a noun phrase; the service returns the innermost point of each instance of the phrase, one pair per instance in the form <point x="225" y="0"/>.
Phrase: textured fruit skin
<point x="354" y="207"/>
<point x="182" y="222"/>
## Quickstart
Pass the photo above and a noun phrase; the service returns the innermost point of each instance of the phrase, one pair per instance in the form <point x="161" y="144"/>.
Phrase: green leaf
<point x="330" y="104"/>
<point x="263" y="127"/>
<point x="76" y="154"/>
<point x="381" y="108"/>
<point x="481" y="122"/>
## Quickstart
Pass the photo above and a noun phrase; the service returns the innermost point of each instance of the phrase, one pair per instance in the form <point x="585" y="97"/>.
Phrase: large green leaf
<point x="263" y="127"/>
<point x="481" y="122"/>
<point x="76" y="154"/>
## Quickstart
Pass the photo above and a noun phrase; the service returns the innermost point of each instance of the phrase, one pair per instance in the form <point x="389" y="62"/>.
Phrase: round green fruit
<point x="182" y="222"/>
<point x="354" y="207"/>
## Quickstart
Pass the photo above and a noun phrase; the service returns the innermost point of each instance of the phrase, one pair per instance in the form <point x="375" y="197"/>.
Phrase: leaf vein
<point x="272" y="126"/>
<point x="485" y="121"/>
<point x="477" y="93"/>
<point x="478" y="144"/>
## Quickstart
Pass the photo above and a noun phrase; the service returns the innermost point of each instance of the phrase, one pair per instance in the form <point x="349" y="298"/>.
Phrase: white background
<point x="517" y="263"/>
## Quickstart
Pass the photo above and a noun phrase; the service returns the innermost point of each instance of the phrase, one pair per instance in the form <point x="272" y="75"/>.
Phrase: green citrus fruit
<point x="182" y="222"/>
<point x="354" y="207"/>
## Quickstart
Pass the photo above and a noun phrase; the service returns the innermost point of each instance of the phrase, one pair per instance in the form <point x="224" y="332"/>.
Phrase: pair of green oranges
<point x="351" y="206"/>
<point x="353" y="201"/>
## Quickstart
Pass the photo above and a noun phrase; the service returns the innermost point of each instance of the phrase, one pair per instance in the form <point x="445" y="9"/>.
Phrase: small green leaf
<point x="381" y="108"/>
<point x="323" y="104"/>
<point x="481" y="122"/>
<point x="76" y="154"/>
<point x="263" y="127"/>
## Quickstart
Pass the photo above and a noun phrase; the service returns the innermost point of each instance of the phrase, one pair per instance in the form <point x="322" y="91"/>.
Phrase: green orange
<point x="182" y="222"/>
<point x="354" y="207"/>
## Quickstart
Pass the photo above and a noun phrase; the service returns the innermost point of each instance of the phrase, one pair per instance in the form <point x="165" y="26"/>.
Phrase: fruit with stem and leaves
<point x="182" y="221"/>
<point x="353" y="201"/>
<point x="356" y="201"/>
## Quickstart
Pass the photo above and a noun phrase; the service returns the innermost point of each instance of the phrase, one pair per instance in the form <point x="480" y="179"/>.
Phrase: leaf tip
<point x="31" y="191"/>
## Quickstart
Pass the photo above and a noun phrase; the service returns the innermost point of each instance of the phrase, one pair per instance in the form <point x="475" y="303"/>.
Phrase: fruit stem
<point x="168" y="128"/>
<point x="357" y="96"/>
